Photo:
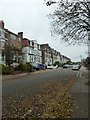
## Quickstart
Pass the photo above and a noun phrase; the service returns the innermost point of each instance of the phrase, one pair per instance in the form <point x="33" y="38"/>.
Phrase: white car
<point x="75" y="67"/>
<point x="51" y="67"/>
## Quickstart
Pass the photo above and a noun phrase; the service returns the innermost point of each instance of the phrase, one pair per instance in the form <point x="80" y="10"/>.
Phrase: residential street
<point x="22" y="92"/>
<point x="33" y="80"/>
<point x="44" y="59"/>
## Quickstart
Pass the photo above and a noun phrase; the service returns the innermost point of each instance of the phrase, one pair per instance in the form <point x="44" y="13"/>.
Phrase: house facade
<point x="37" y="53"/>
<point x="10" y="42"/>
<point x="28" y="50"/>
<point x="15" y="48"/>
<point x="65" y="59"/>
<point x="46" y="54"/>
<point x="31" y="50"/>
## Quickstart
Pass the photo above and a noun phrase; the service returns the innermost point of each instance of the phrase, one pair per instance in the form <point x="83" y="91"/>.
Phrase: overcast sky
<point x="30" y="17"/>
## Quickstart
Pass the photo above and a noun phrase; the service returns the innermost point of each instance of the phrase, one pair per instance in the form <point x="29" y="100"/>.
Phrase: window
<point x="2" y="34"/>
<point x="12" y="36"/>
<point x="2" y="44"/>
<point x="6" y="35"/>
<point x="29" y="42"/>
<point x="3" y="57"/>
<point x="32" y="43"/>
<point x="19" y="39"/>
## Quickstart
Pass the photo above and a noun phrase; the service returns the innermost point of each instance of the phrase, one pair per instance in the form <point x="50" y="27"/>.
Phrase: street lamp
<point x="81" y="58"/>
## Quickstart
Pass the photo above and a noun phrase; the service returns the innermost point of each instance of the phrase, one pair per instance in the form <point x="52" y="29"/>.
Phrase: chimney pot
<point x="1" y="24"/>
<point x="20" y="34"/>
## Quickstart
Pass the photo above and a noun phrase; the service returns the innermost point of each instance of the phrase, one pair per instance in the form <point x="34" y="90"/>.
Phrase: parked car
<point x="34" y="68"/>
<point x="65" y="66"/>
<point x="39" y="67"/>
<point x="76" y="67"/>
<point x="45" y="66"/>
<point x="14" y="64"/>
<point x="51" y="67"/>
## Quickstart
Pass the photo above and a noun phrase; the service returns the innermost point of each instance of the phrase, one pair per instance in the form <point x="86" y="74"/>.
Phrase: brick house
<point x="65" y="59"/>
<point x="25" y="50"/>
<point x="8" y="38"/>
<point x="28" y="50"/>
<point x="49" y="55"/>
<point x="46" y="54"/>
<point x="56" y="56"/>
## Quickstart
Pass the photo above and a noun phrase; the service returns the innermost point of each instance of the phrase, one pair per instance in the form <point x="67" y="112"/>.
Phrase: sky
<point x="30" y="17"/>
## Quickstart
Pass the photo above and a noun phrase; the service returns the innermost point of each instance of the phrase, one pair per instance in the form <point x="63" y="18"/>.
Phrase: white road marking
<point x="79" y="74"/>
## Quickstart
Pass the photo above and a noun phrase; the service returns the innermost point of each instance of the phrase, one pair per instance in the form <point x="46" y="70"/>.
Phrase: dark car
<point x="41" y="66"/>
<point x="34" y="68"/>
<point x="45" y="66"/>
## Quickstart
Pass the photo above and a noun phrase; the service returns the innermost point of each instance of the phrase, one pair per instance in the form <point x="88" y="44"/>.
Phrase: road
<point x="19" y="92"/>
<point x="32" y="81"/>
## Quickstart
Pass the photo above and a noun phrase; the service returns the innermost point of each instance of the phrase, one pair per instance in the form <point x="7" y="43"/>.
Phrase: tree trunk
<point x="88" y="43"/>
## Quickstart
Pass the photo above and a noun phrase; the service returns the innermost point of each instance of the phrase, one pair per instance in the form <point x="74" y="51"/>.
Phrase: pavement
<point x="79" y="91"/>
<point x="15" y="76"/>
<point x="10" y="77"/>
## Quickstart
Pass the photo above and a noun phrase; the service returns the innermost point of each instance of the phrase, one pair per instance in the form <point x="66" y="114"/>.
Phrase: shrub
<point x="5" y="69"/>
<point x="56" y="63"/>
<point x="29" y="67"/>
<point x="24" y="67"/>
<point x="21" y="67"/>
<point x="0" y="69"/>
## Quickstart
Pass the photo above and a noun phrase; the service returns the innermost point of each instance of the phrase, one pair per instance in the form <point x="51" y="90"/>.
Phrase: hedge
<point x="24" y="67"/>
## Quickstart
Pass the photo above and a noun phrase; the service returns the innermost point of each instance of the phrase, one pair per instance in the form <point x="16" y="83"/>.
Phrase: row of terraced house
<point x="30" y="50"/>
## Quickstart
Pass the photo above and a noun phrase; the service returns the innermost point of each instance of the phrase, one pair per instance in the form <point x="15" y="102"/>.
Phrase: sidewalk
<point x="79" y="91"/>
<point x="10" y="77"/>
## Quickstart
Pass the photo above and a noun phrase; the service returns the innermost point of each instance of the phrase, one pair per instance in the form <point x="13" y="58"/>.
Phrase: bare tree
<point x="71" y="20"/>
<point x="10" y="51"/>
<point x="50" y="2"/>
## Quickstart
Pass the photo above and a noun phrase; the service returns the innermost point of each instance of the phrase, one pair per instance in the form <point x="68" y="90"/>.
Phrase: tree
<point x="10" y="51"/>
<point x="87" y="62"/>
<point x="50" y="2"/>
<point x="71" y="20"/>
<point x="57" y="63"/>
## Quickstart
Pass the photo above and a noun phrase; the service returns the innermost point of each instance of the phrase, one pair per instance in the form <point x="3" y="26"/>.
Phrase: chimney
<point x="1" y="24"/>
<point x="20" y="34"/>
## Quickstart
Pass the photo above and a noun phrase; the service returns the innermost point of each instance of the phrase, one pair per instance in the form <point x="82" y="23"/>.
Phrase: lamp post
<point x="81" y="58"/>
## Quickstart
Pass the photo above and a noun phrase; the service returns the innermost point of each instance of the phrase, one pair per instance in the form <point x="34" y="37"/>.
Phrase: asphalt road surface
<point x="37" y="80"/>
<point x="34" y="80"/>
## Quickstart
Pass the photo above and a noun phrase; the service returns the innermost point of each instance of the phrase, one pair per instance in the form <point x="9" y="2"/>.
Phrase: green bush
<point x="0" y="69"/>
<point x="56" y="63"/>
<point x="5" y="70"/>
<point x="29" y="67"/>
<point x="21" y="67"/>
<point x="24" y="67"/>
